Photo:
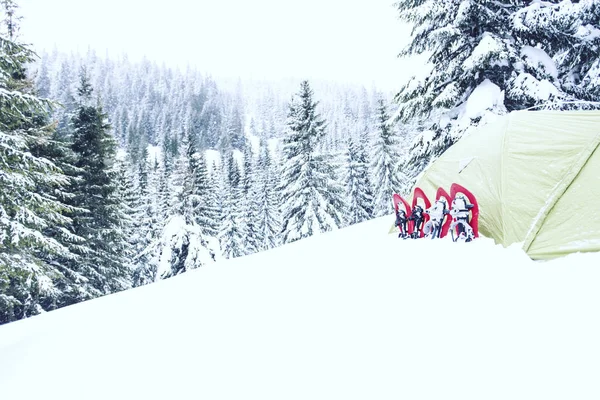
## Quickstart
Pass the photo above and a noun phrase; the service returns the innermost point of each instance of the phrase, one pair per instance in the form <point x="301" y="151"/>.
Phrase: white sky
<point x="354" y="41"/>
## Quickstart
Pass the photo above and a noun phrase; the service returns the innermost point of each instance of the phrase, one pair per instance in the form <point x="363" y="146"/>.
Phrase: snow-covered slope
<point x="351" y="314"/>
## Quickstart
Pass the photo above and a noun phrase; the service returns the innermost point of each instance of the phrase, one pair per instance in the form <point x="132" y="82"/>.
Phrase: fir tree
<point x="578" y="58"/>
<point x="312" y="199"/>
<point x="182" y="244"/>
<point x="105" y="266"/>
<point x="385" y="161"/>
<point x="358" y="186"/>
<point x="249" y="202"/>
<point x="139" y="227"/>
<point x="33" y="227"/>
<point x="267" y="201"/>
<point x="232" y="233"/>
<point x="202" y="194"/>
<point x="485" y="58"/>
<point x="128" y="199"/>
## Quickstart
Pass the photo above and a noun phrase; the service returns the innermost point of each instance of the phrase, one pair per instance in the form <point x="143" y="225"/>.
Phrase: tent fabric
<point x="536" y="176"/>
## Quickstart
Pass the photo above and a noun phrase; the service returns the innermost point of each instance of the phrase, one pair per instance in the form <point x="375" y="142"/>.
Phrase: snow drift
<point x="351" y="314"/>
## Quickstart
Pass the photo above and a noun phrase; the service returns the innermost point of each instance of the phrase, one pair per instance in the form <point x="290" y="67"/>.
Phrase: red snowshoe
<point x="418" y="216"/>
<point x="439" y="223"/>
<point x="403" y="211"/>
<point x="465" y="214"/>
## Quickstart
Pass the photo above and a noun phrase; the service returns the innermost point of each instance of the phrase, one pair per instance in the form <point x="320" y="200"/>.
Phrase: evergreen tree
<point x="358" y="186"/>
<point x="385" y="161"/>
<point x="236" y="131"/>
<point x="249" y="215"/>
<point x="64" y="94"/>
<point x="128" y="199"/>
<point x="267" y="201"/>
<point x="164" y="188"/>
<point x="66" y="279"/>
<point x="43" y="79"/>
<point x="578" y="58"/>
<point x="202" y="194"/>
<point x="143" y="226"/>
<point x="105" y="267"/>
<point x="232" y="233"/>
<point x="485" y="58"/>
<point x="182" y="244"/>
<point x="312" y="199"/>
<point x="33" y="227"/>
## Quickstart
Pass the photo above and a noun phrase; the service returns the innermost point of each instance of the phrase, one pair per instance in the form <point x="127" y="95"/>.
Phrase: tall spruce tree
<point x="312" y="198"/>
<point x="182" y="245"/>
<point x="232" y="234"/>
<point x="485" y="58"/>
<point x="33" y="228"/>
<point x="267" y="200"/>
<point x="359" y="192"/>
<point x="249" y="202"/>
<point x="128" y="199"/>
<point x="105" y="266"/>
<point x="385" y="161"/>
<point x="202" y="194"/>
<point x="578" y="58"/>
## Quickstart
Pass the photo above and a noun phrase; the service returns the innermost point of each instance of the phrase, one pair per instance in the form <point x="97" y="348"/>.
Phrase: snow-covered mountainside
<point x="351" y="314"/>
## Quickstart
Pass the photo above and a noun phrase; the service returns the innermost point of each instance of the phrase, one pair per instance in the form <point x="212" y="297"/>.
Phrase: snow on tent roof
<point x="535" y="176"/>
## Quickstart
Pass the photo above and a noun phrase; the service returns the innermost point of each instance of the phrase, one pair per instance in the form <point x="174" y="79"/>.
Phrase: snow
<point x="212" y="157"/>
<point x="538" y="57"/>
<point x="352" y="314"/>
<point x="588" y="32"/>
<point x="239" y="157"/>
<point x="171" y="237"/>
<point x="274" y="145"/>
<point x="154" y="154"/>
<point x="425" y="137"/>
<point x="121" y="155"/>
<point x="541" y="90"/>
<point x="254" y="143"/>
<point x="486" y="96"/>
<point x="592" y="78"/>
<point x="487" y="47"/>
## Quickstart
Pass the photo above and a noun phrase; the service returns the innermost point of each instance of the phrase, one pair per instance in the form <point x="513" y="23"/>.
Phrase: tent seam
<point x="561" y="188"/>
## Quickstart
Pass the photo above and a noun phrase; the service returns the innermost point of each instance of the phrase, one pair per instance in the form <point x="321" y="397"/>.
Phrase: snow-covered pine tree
<point x="66" y="279"/>
<point x="232" y="235"/>
<point x="182" y="245"/>
<point x="133" y="194"/>
<point x="578" y="58"/>
<point x="62" y="91"/>
<point x="237" y="139"/>
<point x="485" y="59"/>
<point x="385" y="158"/>
<point x="267" y="200"/>
<point x="43" y="79"/>
<point x="128" y="198"/>
<point x="249" y="203"/>
<point x="105" y="267"/>
<point x="202" y="194"/>
<point x="31" y="207"/>
<point x="312" y="199"/>
<point x="358" y="185"/>
<point x="164" y="204"/>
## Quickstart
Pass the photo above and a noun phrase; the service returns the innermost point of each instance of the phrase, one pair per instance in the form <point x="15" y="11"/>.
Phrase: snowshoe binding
<point x="437" y="214"/>
<point x="402" y="224"/>
<point x="417" y="218"/>
<point x="460" y="225"/>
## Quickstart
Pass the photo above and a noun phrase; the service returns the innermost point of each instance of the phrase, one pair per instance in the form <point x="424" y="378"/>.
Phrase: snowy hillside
<point x="351" y="314"/>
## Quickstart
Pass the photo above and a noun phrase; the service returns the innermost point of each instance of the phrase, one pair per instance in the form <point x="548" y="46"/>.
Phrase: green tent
<point x="536" y="177"/>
